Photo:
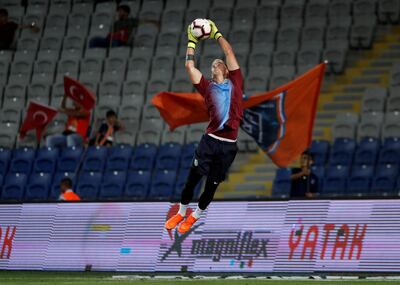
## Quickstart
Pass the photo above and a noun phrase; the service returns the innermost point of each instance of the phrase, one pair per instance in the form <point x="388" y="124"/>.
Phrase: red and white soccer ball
<point x="201" y="29"/>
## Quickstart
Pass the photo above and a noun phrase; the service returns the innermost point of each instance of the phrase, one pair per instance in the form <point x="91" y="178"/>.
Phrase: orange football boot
<point x="187" y="224"/>
<point x="173" y="221"/>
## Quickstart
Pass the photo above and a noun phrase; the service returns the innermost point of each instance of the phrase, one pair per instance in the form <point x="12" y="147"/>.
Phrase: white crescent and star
<point x="40" y="117"/>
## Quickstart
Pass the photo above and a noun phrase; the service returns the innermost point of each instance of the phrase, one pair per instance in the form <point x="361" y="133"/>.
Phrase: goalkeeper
<point x="217" y="148"/>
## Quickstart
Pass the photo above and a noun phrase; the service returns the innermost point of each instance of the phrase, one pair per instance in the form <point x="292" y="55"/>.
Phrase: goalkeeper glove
<point x="192" y="40"/>
<point x="215" y="34"/>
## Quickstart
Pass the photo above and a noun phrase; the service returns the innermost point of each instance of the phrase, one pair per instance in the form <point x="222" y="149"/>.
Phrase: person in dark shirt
<point x="304" y="182"/>
<point x="8" y="29"/>
<point x="106" y="132"/>
<point x="122" y="30"/>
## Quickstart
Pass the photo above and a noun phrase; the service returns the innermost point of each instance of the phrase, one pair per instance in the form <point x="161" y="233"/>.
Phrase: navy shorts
<point x="213" y="157"/>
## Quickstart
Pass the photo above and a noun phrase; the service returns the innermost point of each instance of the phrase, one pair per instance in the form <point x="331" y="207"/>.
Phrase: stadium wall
<point x="270" y="236"/>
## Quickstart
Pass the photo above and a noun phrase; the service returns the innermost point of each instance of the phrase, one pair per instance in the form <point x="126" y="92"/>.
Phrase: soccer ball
<point x="201" y="29"/>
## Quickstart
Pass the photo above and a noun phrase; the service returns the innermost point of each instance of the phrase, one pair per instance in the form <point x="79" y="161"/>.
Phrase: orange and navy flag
<point x="280" y="121"/>
<point x="37" y="117"/>
<point x="79" y="93"/>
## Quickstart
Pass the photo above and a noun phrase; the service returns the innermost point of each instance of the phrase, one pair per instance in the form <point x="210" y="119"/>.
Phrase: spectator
<point x="122" y="29"/>
<point x="67" y="194"/>
<point x="105" y="134"/>
<point x="76" y="128"/>
<point x="8" y="28"/>
<point x="304" y="182"/>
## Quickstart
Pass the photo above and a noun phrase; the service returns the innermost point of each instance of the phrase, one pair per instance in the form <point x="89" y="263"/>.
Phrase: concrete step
<point x="262" y="177"/>
<point x="347" y="97"/>
<point x="367" y="80"/>
<point x="381" y="63"/>
<point x="338" y="106"/>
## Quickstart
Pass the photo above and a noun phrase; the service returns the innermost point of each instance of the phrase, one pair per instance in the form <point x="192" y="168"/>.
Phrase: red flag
<point x="37" y="117"/>
<point x="281" y="121"/>
<point x="79" y="93"/>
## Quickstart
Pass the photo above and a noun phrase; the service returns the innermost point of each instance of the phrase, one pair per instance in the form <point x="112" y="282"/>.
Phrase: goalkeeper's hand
<point x="192" y="40"/>
<point x="215" y="34"/>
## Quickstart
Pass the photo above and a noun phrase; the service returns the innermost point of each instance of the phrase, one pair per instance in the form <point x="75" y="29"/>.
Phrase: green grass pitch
<point x="93" y="278"/>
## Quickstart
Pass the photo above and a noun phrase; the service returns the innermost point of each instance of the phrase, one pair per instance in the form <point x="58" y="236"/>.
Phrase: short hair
<point x="3" y="12"/>
<point x="67" y="181"/>
<point x="308" y="153"/>
<point x="125" y="8"/>
<point x="110" y="113"/>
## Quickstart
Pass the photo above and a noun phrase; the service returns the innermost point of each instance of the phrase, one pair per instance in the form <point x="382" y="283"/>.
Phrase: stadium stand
<point x="357" y="131"/>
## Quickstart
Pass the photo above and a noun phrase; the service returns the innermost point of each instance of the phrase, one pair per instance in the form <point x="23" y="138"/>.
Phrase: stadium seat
<point x="95" y="159"/>
<point x="334" y="183"/>
<point x="144" y="157"/>
<point x="319" y="150"/>
<point x="282" y="183"/>
<point x="69" y="159"/>
<point x="113" y="185"/>
<point x="342" y="152"/>
<point x="38" y="187"/>
<point x="46" y="160"/>
<point x="22" y="160"/>
<point x="119" y="157"/>
<point x="389" y="11"/>
<point x="187" y="155"/>
<point x="390" y="151"/>
<point x="360" y="180"/>
<point x="5" y="157"/>
<point x="384" y="181"/>
<point x="88" y="185"/>
<point x="55" y="187"/>
<point x="168" y="156"/>
<point x="137" y="185"/>
<point x="14" y="187"/>
<point x="367" y="151"/>
<point x="162" y="185"/>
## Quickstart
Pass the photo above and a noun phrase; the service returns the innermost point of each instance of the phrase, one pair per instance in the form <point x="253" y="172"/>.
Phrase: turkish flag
<point x="37" y="117"/>
<point x="79" y="93"/>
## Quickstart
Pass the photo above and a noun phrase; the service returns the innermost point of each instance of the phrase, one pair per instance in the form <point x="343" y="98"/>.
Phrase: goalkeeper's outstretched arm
<point x="194" y="74"/>
<point x="226" y="47"/>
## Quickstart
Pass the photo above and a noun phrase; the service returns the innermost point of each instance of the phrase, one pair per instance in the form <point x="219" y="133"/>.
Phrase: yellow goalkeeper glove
<point x="192" y="40"/>
<point x="215" y="34"/>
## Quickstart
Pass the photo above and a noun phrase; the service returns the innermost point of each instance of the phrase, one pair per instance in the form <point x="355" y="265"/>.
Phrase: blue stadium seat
<point x="69" y="159"/>
<point x="180" y="183"/>
<point x="162" y="185"/>
<point x="282" y="183"/>
<point x="319" y="150"/>
<point x="137" y="185"/>
<point x="5" y="157"/>
<point x="334" y="183"/>
<point x="390" y="151"/>
<point x="22" y="160"/>
<point x="88" y="185"/>
<point x="46" y="160"/>
<point x="119" y="157"/>
<point x="360" y="180"/>
<point x="187" y="155"/>
<point x="14" y="187"/>
<point x="95" y="159"/>
<point x="168" y="156"/>
<point x="367" y="151"/>
<point x="55" y="187"/>
<point x="113" y="185"/>
<point x="384" y="181"/>
<point x="342" y="152"/>
<point x="38" y="187"/>
<point x="144" y="157"/>
<point x="319" y="171"/>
